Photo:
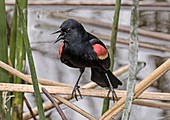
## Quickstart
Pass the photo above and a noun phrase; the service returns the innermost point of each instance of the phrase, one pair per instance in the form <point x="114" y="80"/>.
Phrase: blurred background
<point x="45" y="17"/>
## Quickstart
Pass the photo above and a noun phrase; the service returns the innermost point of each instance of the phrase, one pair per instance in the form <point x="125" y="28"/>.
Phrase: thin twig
<point x="46" y="105"/>
<point x="54" y="103"/>
<point x="29" y="107"/>
<point x="74" y="107"/>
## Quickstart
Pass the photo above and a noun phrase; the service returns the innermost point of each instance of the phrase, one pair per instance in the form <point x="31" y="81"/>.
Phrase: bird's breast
<point x="61" y="49"/>
<point x="73" y="53"/>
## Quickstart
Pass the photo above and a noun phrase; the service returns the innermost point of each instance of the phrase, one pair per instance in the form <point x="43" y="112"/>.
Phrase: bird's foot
<point x="75" y="91"/>
<point x="114" y="96"/>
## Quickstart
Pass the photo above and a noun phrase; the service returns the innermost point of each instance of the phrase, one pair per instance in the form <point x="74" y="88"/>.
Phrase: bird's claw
<point x="74" y="93"/>
<point x="114" y="96"/>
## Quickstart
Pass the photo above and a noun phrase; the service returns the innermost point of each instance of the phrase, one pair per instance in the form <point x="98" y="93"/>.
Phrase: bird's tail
<point x="101" y="79"/>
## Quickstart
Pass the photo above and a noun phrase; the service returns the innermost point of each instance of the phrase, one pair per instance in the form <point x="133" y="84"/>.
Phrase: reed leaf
<point x="17" y="104"/>
<point x="3" y="57"/>
<point x="13" y="37"/>
<point x="23" y="22"/>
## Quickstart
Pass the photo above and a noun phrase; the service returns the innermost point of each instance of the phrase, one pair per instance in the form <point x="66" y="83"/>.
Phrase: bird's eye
<point x="67" y="29"/>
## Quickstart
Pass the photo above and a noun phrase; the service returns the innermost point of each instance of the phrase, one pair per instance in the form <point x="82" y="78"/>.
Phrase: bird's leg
<point x="114" y="96"/>
<point x="111" y="89"/>
<point x="76" y="87"/>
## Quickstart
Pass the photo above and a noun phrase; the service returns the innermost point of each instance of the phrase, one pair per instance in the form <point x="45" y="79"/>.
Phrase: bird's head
<point x="69" y="29"/>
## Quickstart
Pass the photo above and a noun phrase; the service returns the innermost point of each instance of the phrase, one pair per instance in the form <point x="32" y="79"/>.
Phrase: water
<point x="42" y="22"/>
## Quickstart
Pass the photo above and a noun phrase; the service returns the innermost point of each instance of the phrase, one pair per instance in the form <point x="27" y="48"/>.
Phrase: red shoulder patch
<point x="101" y="51"/>
<point x="61" y="49"/>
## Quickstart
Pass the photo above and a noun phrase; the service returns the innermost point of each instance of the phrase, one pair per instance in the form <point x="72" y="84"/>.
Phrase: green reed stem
<point x="4" y="77"/>
<point x="17" y="105"/>
<point x="112" y="47"/>
<point x="23" y="18"/>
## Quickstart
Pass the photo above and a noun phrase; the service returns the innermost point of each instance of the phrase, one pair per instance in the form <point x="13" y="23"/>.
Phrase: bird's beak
<point x="59" y="30"/>
<point x="61" y="36"/>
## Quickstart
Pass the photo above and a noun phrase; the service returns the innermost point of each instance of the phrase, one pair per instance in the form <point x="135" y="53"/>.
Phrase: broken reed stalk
<point x="84" y="91"/>
<point x="99" y="92"/>
<point x="121" y="28"/>
<point x="93" y="93"/>
<point x="143" y="85"/>
<point x="54" y="103"/>
<point x="74" y="107"/>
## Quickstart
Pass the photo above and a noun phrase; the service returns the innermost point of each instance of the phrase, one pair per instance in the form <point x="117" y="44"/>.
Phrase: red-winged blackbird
<point x="80" y="49"/>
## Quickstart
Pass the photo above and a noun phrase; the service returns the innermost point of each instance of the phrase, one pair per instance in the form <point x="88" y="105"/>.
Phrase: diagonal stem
<point x="143" y="85"/>
<point x="54" y="103"/>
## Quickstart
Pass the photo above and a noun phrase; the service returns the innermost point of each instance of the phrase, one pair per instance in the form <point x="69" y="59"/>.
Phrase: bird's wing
<point x="99" y="52"/>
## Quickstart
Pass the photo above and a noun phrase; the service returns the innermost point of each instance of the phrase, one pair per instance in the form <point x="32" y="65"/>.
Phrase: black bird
<point x="81" y="49"/>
